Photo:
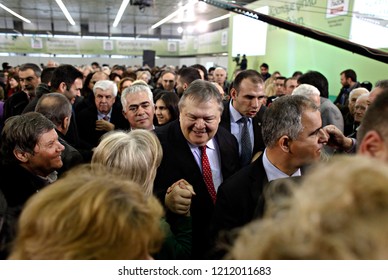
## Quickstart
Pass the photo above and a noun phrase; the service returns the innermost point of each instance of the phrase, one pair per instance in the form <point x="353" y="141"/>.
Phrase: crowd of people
<point x="102" y="162"/>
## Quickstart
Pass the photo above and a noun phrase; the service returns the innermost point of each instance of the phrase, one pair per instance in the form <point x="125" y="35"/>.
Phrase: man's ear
<point x="125" y="116"/>
<point x="284" y="143"/>
<point x="21" y="156"/>
<point x="65" y="123"/>
<point x="62" y="87"/>
<point x="233" y="93"/>
<point x="372" y="145"/>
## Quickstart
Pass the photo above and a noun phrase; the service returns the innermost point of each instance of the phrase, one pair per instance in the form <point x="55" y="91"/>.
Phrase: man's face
<point x="74" y="91"/>
<point x="360" y="108"/>
<point x="307" y="147"/>
<point x="180" y="87"/>
<point x="352" y="102"/>
<point x="219" y="76"/>
<point x="263" y="71"/>
<point x="199" y="121"/>
<point x="29" y="81"/>
<point x="162" y="113"/>
<point x="47" y="154"/>
<point x="291" y="84"/>
<point x="279" y="86"/>
<point x="344" y="81"/>
<point x="139" y="111"/>
<point x="104" y="100"/>
<point x="247" y="100"/>
<point x="168" y="81"/>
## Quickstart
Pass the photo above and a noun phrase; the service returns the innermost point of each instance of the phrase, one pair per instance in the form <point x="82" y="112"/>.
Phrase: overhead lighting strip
<point x="120" y="13"/>
<point x="15" y="14"/>
<point x="174" y="14"/>
<point x="65" y="11"/>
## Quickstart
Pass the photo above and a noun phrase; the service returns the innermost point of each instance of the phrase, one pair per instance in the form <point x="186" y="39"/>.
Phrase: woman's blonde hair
<point x="89" y="216"/>
<point x="340" y="211"/>
<point x="135" y="155"/>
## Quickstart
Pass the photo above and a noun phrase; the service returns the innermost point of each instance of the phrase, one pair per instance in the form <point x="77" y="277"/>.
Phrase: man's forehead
<point x="138" y="97"/>
<point x="26" y="73"/>
<point x="104" y="92"/>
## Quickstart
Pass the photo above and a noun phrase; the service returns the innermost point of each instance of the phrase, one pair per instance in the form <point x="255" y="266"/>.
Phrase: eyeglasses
<point x="133" y="108"/>
<point x="169" y="81"/>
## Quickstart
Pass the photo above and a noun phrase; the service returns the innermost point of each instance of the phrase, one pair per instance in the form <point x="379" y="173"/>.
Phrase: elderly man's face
<point x="199" y="121"/>
<point x="352" y="102"/>
<point x="360" y="108"/>
<point x="139" y="111"/>
<point x="219" y="76"/>
<point x="104" y="100"/>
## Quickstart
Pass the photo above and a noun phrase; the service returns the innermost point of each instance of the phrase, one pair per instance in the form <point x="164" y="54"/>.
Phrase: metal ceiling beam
<point x="372" y="53"/>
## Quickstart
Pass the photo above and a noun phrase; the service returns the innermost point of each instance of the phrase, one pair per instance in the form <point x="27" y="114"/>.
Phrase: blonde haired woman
<point x="89" y="216"/>
<point x="136" y="155"/>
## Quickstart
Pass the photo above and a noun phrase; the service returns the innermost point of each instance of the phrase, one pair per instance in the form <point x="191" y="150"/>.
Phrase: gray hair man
<point x="138" y="106"/>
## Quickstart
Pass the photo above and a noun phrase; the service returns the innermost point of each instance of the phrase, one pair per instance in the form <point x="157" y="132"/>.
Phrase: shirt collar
<point x="273" y="172"/>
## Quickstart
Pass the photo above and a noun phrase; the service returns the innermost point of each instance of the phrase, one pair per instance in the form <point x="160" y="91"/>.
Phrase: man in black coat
<point x="30" y="154"/>
<point x="29" y="75"/>
<point x="198" y="126"/>
<point x="94" y="121"/>
<point x="57" y="108"/>
<point x="292" y="130"/>
<point x="246" y="95"/>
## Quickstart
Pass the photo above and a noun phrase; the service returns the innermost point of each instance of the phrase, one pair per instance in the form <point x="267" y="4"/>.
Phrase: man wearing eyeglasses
<point x="243" y="114"/>
<point x="138" y="106"/>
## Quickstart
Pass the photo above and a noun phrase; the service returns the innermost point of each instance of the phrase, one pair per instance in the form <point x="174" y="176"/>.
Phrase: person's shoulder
<point x="167" y="130"/>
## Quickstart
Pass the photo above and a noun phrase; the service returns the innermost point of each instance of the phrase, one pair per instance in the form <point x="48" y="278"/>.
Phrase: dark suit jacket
<point x="178" y="162"/>
<point x="241" y="199"/>
<point x="86" y="123"/>
<point x="70" y="156"/>
<point x="258" y="144"/>
<point x="15" y="104"/>
<point x="239" y="196"/>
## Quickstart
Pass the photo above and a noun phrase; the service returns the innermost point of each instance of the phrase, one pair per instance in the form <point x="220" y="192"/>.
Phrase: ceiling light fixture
<point x="218" y="18"/>
<point x="15" y="14"/>
<point x="120" y="13"/>
<point x="174" y="14"/>
<point x="65" y="11"/>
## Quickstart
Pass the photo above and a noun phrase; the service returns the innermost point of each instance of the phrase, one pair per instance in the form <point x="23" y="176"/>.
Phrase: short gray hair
<point x="135" y="89"/>
<point x="306" y="90"/>
<point x="284" y="117"/>
<point x="105" y="85"/>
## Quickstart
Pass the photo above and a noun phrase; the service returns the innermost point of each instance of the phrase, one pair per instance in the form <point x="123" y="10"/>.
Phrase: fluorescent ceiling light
<point x="120" y="13"/>
<point x="174" y="14"/>
<point x="65" y="11"/>
<point x="218" y="18"/>
<point x="15" y="14"/>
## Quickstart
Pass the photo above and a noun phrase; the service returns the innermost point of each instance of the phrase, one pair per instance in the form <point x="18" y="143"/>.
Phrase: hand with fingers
<point x="178" y="197"/>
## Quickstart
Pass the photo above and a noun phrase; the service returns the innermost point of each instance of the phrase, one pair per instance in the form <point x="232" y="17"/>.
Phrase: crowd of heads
<point x="107" y="209"/>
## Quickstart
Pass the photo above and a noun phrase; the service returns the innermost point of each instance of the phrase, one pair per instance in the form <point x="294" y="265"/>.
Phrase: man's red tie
<point x="207" y="174"/>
